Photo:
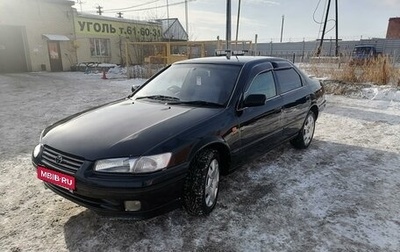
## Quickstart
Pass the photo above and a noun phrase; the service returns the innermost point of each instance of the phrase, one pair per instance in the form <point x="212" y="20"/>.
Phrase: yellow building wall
<point x="115" y="31"/>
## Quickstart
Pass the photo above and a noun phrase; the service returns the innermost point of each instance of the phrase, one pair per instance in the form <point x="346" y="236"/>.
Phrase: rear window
<point x="288" y="79"/>
<point x="363" y="50"/>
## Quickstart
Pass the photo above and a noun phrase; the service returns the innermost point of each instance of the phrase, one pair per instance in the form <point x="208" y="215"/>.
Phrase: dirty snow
<point x="341" y="194"/>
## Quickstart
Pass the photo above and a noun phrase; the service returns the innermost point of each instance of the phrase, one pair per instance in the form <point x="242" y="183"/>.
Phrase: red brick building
<point x="393" y="31"/>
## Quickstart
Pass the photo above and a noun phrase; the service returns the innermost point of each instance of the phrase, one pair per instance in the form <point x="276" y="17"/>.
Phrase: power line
<point x="161" y="6"/>
<point x="132" y="7"/>
<point x="315" y="10"/>
<point x="321" y="23"/>
<point x="324" y="29"/>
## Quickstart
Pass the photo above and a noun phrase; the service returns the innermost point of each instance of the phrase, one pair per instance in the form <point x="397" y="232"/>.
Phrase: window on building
<point x="99" y="47"/>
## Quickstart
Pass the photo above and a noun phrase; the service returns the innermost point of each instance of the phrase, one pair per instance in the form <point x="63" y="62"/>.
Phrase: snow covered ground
<point x="341" y="194"/>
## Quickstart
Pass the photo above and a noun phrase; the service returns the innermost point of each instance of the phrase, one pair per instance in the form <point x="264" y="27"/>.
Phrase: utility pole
<point x="228" y="24"/>
<point x="168" y="29"/>
<point x="283" y="23"/>
<point x="168" y="12"/>
<point x="99" y="10"/>
<point x="187" y="18"/>
<point x="337" y="29"/>
<point x="323" y="30"/>
<point x="255" y="44"/>
<point x="119" y="14"/>
<point x="80" y="3"/>
<point x="237" y="25"/>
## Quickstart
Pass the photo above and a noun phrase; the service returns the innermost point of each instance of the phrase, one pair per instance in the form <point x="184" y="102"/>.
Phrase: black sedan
<point x="168" y="143"/>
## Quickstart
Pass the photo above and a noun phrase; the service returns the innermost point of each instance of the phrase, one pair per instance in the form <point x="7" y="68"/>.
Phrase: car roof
<point x="238" y="60"/>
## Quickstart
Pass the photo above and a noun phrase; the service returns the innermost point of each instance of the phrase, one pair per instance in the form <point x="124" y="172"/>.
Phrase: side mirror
<point x="254" y="100"/>
<point x="135" y="87"/>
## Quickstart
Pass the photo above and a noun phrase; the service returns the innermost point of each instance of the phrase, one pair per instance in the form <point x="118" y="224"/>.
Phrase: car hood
<point x="123" y="128"/>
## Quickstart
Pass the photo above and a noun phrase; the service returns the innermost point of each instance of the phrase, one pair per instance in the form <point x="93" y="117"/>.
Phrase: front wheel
<point x="202" y="183"/>
<point x="306" y="134"/>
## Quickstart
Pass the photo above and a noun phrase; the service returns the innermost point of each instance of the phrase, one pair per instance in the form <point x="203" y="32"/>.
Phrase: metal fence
<point x="304" y="51"/>
<point x="153" y="57"/>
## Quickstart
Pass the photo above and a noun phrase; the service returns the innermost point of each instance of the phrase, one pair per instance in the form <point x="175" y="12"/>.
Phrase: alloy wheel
<point x="308" y="130"/>
<point x="212" y="181"/>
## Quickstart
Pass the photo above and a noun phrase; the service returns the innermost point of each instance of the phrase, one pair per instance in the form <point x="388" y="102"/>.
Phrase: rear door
<point x="296" y="100"/>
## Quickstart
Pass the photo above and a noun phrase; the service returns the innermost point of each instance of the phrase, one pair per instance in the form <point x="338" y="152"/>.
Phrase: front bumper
<point x="105" y="194"/>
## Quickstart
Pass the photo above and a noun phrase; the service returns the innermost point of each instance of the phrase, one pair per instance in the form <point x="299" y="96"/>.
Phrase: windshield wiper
<point x="200" y="103"/>
<point x="159" y="97"/>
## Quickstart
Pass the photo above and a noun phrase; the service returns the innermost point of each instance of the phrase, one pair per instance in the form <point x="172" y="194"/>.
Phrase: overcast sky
<point x="357" y="18"/>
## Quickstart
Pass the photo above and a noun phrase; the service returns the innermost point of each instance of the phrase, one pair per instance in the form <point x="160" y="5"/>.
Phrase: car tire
<point x="202" y="183"/>
<point x="306" y="134"/>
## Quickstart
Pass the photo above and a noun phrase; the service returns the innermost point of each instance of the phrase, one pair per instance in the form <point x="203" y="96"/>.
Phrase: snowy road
<point x="341" y="194"/>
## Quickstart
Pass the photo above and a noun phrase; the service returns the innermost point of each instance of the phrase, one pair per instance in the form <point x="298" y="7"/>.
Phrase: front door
<point x="262" y="123"/>
<point x="55" y="56"/>
<point x="260" y="127"/>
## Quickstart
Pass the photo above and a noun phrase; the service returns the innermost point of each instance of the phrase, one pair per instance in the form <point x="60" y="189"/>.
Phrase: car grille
<point x="58" y="160"/>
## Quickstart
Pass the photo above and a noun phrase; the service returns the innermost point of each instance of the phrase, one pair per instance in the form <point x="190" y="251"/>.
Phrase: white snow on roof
<point x="56" y="37"/>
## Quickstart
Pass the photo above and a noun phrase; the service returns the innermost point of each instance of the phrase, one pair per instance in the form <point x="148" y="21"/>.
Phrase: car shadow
<point x="321" y="195"/>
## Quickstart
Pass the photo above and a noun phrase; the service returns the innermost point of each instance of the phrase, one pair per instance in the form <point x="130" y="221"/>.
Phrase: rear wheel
<point x="202" y="183"/>
<point x="306" y="134"/>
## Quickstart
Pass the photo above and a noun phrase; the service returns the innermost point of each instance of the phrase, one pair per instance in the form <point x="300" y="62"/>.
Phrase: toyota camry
<point x="168" y="143"/>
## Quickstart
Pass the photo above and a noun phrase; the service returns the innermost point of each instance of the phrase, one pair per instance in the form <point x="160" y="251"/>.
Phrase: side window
<point x="288" y="79"/>
<point x="262" y="84"/>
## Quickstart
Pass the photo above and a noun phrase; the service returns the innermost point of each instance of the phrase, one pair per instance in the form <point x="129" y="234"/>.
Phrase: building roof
<point x="173" y="29"/>
<point x="63" y="2"/>
<point x="115" y="19"/>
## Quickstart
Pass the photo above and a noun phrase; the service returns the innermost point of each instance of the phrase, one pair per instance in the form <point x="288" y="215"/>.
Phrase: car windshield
<point x="192" y="84"/>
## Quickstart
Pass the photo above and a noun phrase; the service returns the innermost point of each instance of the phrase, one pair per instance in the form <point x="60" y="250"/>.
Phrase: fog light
<point x="133" y="205"/>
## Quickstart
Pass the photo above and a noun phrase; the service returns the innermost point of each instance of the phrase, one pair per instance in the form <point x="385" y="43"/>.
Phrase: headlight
<point x="133" y="165"/>
<point x="37" y="150"/>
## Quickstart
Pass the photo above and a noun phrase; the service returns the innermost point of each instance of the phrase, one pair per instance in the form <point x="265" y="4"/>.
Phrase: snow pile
<point x="381" y="93"/>
<point x="364" y="91"/>
<point x="117" y="70"/>
<point x="107" y="65"/>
